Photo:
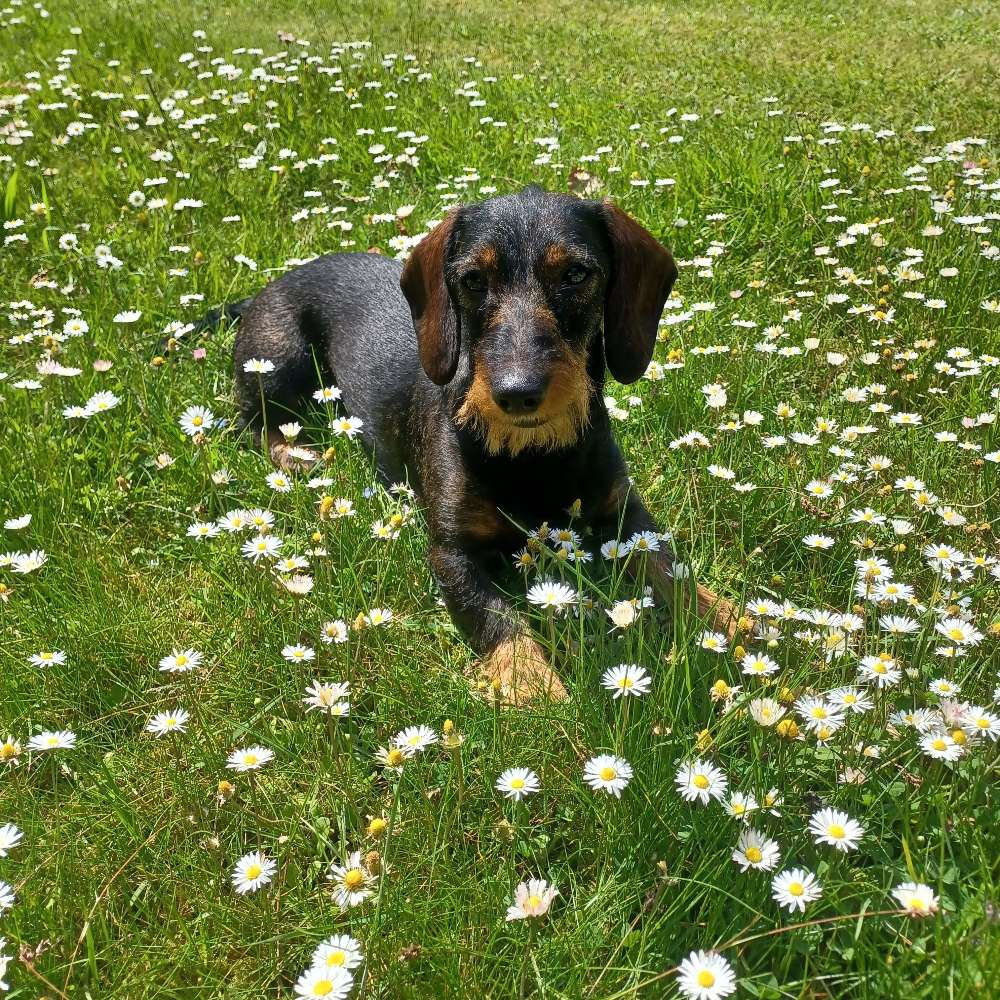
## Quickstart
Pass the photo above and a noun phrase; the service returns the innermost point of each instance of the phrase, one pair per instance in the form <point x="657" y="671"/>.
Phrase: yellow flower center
<point x="517" y="783"/>
<point x="608" y="774"/>
<point x="706" y="979"/>
<point x="983" y="723"/>
<point x="182" y="661"/>
<point x="700" y="781"/>
<point x="738" y="810"/>
<point x="796" y="888"/>
<point x="395" y="757"/>
<point x="939" y="744"/>
<point x="916" y="903"/>
<point x="534" y="901"/>
<point x="956" y="633"/>
<point x="354" y="879"/>
<point x="336" y="958"/>
<point x="250" y="759"/>
<point x="253" y="872"/>
<point x="836" y="831"/>
<point x="627" y="682"/>
<point x="323" y="988"/>
<point x="197" y="421"/>
<point x="754" y="854"/>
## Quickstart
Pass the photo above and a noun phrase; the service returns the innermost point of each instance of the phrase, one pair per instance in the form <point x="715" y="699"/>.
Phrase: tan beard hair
<point x="569" y="390"/>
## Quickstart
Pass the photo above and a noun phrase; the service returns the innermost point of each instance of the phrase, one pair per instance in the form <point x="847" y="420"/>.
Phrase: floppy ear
<point x="643" y="275"/>
<point x="434" y="318"/>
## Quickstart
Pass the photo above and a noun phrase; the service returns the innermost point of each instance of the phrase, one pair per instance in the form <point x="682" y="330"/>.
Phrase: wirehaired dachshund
<point x="477" y="369"/>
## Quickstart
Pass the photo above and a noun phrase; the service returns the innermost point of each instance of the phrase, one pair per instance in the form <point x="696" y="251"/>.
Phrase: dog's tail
<point x="229" y="313"/>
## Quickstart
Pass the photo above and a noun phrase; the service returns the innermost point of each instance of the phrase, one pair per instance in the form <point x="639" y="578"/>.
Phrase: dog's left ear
<point x="641" y="279"/>
<point x="434" y="317"/>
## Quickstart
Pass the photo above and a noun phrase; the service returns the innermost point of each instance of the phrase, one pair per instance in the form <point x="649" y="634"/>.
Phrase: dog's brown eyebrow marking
<point x="556" y="255"/>
<point x="485" y="258"/>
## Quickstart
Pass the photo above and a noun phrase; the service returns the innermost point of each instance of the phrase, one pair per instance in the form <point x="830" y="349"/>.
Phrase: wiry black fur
<point x="342" y="319"/>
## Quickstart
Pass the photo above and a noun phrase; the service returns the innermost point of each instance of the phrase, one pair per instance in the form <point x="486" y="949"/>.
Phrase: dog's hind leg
<point x="277" y="369"/>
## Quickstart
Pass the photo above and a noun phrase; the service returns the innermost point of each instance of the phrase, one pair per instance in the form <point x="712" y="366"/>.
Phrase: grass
<point x="122" y="878"/>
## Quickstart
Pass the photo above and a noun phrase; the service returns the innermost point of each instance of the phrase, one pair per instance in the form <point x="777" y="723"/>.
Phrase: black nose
<point x="519" y="393"/>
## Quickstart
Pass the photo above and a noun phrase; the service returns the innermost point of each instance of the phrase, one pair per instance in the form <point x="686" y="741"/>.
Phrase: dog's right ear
<point x="434" y="316"/>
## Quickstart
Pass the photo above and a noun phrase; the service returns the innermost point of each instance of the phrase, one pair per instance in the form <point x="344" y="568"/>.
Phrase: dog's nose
<point x="520" y="393"/>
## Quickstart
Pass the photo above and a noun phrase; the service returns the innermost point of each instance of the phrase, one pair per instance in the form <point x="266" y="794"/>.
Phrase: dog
<point x="477" y="369"/>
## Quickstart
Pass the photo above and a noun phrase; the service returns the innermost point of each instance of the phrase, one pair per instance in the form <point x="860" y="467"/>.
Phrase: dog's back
<point x="339" y="319"/>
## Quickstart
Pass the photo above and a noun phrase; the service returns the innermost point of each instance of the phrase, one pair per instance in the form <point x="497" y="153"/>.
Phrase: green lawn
<point x="828" y="178"/>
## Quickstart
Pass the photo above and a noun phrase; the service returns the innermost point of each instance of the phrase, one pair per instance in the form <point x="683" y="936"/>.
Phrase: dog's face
<point x="508" y="299"/>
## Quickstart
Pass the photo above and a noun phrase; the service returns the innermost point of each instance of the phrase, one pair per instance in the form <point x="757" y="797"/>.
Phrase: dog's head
<point x="508" y="299"/>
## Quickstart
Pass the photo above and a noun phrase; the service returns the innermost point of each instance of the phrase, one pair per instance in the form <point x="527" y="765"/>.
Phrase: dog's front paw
<point x="718" y="613"/>
<point x="519" y="671"/>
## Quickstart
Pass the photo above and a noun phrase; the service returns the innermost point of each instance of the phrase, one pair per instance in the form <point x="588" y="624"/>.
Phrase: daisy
<point x="716" y="642"/>
<point x="7" y="897"/>
<point x="327" y="696"/>
<point x="252" y="871"/>
<point x="328" y="394"/>
<point x="880" y="670"/>
<point x="334" y="632"/>
<point x="941" y="746"/>
<point x="829" y="826"/>
<point x="517" y="782"/>
<point x="328" y="984"/>
<point x="263" y="546"/>
<point x="46" y="658"/>
<point x="704" y="975"/>
<point x="532" y="899"/>
<point x="339" y="951"/>
<point x="817" y="712"/>
<point x="278" y="482"/>
<point x="550" y="594"/>
<point x="766" y="711"/>
<point x="349" y="426"/>
<point x="607" y="773"/>
<point x="62" y="739"/>
<point x="850" y="700"/>
<point x="794" y="888"/>
<point x="258" y="366"/>
<point x="740" y="806"/>
<point x="414" y="739"/>
<point x="758" y="664"/>
<point x="945" y="688"/>
<point x="626" y="679"/>
<point x="818" y="541"/>
<point x="959" y="631"/>
<point x="298" y="653"/>
<point x="981" y="722"/>
<point x="181" y="662"/>
<point x="698" y="780"/>
<point x="196" y="420"/>
<point x="10" y="837"/>
<point x="167" y="722"/>
<point x="755" y="851"/>
<point x="352" y="882"/>
<point x="916" y="899"/>
<point x="249" y="759"/>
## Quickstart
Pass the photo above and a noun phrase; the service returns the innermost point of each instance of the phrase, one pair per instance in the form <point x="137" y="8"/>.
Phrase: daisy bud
<point x="373" y="862"/>
<point x="447" y="727"/>
<point x="377" y="827"/>
<point x="787" y="729"/>
<point x="738" y="651"/>
<point x="745" y="624"/>
<point x="158" y="362"/>
<point x="329" y="455"/>
<point x="325" y="506"/>
<point x="787" y="695"/>
<point x="994" y="629"/>
<point x="704" y="741"/>
<point x="225" y="790"/>
<point x="317" y="537"/>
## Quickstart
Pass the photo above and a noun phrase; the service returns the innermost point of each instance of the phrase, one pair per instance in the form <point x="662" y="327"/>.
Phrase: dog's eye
<point x="576" y="274"/>
<point x="474" y="281"/>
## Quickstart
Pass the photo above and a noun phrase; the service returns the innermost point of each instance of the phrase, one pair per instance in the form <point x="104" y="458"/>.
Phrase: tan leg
<point x="520" y="669"/>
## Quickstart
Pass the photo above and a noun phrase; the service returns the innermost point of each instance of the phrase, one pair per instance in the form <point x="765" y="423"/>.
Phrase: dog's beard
<point x="561" y="419"/>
